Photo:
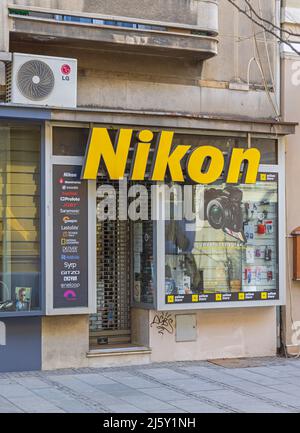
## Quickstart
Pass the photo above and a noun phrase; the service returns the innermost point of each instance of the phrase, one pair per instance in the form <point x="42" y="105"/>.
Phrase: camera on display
<point x="223" y="209"/>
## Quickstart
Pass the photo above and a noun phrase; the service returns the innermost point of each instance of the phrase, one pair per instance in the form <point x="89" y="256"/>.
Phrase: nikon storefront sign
<point x="202" y="213"/>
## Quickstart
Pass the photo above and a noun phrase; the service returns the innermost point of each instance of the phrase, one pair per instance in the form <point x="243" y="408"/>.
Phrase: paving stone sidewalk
<point x="261" y="385"/>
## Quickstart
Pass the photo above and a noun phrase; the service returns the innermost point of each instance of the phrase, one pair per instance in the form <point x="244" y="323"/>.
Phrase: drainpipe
<point x="281" y="320"/>
<point x="278" y="57"/>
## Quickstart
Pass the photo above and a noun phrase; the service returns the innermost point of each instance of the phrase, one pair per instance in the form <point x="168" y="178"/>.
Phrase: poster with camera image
<point x="233" y="255"/>
<point x="223" y="210"/>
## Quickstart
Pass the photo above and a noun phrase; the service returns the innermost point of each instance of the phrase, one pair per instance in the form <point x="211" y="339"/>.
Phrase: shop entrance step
<point x="117" y="355"/>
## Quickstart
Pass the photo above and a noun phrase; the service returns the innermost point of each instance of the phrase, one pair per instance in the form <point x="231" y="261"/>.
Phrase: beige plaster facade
<point x="64" y="342"/>
<point x="232" y="333"/>
<point x="291" y="112"/>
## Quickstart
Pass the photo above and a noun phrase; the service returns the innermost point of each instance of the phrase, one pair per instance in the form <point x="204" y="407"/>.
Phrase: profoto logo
<point x="2" y="334"/>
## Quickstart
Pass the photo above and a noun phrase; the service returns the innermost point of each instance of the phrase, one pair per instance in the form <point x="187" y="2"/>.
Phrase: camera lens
<point x="215" y="214"/>
<point x="223" y="208"/>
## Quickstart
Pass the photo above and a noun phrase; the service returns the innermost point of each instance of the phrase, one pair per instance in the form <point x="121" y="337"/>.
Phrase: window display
<point x="232" y="255"/>
<point x="19" y="218"/>
<point x="144" y="278"/>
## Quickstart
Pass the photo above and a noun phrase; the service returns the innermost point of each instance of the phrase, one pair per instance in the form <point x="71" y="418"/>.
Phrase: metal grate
<point x="8" y="71"/>
<point x="111" y="323"/>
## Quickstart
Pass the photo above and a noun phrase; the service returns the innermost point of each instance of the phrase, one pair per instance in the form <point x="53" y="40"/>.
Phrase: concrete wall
<point x="291" y="97"/>
<point x="291" y="112"/>
<point x="237" y="46"/>
<point x="227" y="333"/>
<point x="140" y="327"/>
<point x="65" y="341"/>
<point x="4" y="32"/>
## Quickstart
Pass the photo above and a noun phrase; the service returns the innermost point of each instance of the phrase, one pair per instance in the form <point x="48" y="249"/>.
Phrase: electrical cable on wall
<point x="257" y="58"/>
<point x="261" y="25"/>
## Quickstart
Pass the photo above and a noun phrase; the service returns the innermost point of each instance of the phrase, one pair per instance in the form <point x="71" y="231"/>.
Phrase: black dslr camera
<point x="223" y="209"/>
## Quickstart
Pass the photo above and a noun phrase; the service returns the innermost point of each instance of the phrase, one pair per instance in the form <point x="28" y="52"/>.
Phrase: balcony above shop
<point x="176" y="28"/>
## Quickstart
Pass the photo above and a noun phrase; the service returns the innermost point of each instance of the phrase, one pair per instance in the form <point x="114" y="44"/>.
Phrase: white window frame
<point x="51" y="160"/>
<point x="161" y="305"/>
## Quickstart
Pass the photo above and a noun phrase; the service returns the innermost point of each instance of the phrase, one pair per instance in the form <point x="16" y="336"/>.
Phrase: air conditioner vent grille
<point x="8" y="72"/>
<point x="35" y="80"/>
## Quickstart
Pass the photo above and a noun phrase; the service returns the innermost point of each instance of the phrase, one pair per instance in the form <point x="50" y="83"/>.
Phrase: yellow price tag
<point x="264" y="295"/>
<point x="170" y="299"/>
<point x="241" y="296"/>
<point x="195" y="298"/>
<point x="218" y="297"/>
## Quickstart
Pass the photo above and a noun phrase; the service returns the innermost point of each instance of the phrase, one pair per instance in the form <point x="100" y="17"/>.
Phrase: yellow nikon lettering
<point x="196" y="161"/>
<point x="114" y="156"/>
<point x="164" y="159"/>
<point x="141" y="156"/>
<point x="100" y="146"/>
<point x="252" y="159"/>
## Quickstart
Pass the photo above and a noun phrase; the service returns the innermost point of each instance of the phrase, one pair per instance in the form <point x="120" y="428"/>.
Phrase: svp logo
<point x="2" y="334"/>
<point x="70" y="295"/>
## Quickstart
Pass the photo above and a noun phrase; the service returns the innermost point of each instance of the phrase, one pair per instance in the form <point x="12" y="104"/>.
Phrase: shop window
<point x="230" y="252"/>
<point x="143" y="263"/>
<point x="267" y="148"/>
<point x="225" y="144"/>
<point x="70" y="141"/>
<point x="20" y="287"/>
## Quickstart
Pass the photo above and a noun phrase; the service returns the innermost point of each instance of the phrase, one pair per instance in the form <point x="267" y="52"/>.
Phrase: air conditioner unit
<point x="42" y="80"/>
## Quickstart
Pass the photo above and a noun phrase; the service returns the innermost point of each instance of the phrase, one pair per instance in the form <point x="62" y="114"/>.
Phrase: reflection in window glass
<point x="267" y="148"/>
<point x="143" y="256"/>
<point x="143" y="284"/>
<point x="19" y="218"/>
<point x="231" y="255"/>
<point x="70" y="141"/>
<point x="225" y="144"/>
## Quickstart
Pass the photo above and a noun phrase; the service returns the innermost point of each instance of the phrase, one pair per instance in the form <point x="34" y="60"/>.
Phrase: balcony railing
<point x="183" y="28"/>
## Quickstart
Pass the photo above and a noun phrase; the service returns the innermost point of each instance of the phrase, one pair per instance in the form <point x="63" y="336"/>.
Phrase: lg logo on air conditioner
<point x="2" y="334"/>
<point x="296" y="73"/>
<point x="66" y="71"/>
